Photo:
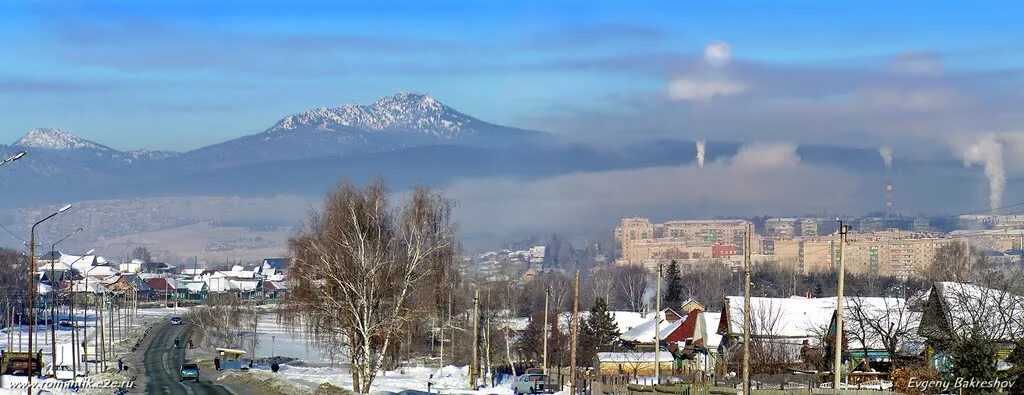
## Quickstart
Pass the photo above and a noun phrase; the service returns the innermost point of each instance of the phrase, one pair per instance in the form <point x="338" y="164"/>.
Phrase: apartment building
<point x="888" y="253"/>
<point x="644" y="242"/>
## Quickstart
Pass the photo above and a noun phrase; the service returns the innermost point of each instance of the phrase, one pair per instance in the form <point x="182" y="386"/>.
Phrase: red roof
<point x="269" y="286"/>
<point x="686" y="330"/>
<point x="159" y="284"/>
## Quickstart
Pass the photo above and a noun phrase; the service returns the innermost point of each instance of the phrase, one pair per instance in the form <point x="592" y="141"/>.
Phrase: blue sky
<point x="180" y="75"/>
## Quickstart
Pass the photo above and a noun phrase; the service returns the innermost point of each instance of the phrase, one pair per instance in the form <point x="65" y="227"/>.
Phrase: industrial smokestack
<point x="988" y="151"/>
<point x="700" y="153"/>
<point x="886" y="154"/>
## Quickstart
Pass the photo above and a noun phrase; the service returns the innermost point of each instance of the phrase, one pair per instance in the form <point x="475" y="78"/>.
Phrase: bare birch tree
<point x="632" y="284"/>
<point x="356" y="264"/>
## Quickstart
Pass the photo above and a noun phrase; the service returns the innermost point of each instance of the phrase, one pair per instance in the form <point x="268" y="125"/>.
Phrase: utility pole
<point x="657" y="328"/>
<point x="475" y="365"/>
<point x="746" y="308"/>
<point x="837" y="364"/>
<point x="487" y="341"/>
<point x="547" y="294"/>
<point x="445" y="323"/>
<point x="575" y="330"/>
<point x="101" y="353"/>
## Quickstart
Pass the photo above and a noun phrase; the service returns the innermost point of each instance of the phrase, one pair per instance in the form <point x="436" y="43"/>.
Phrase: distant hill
<point x="407" y="138"/>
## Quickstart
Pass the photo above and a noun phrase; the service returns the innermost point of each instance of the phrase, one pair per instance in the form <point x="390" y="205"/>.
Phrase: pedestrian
<point x="216" y="363"/>
<point x="274" y="367"/>
<point x="120" y="364"/>
<point x="190" y="344"/>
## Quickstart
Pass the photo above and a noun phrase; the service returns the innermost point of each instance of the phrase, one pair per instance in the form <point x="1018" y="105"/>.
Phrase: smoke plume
<point x="700" y="153"/>
<point x="886" y="153"/>
<point x="988" y="151"/>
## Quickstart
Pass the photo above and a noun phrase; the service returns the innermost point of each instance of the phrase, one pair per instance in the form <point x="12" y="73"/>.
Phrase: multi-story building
<point x="808" y="227"/>
<point x="887" y="253"/>
<point x="804" y="254"/>
<point x="780" y="227"/>
<point x="646" y="243"/>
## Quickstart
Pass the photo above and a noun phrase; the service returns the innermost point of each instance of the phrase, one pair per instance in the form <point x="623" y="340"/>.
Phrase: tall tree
<point x="632" y="284"/>
<point x="142" y="253"/>
<point x="356" y="264"/>
<point x="673" y="286"/>
<point x="598" y="332"/>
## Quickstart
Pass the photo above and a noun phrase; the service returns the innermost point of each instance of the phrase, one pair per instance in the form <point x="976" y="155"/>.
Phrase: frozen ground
<point x="447" y="380"/>
<point x="276" y="340"/>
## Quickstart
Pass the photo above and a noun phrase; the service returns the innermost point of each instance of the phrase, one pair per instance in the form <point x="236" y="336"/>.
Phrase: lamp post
<point x="32" y="283"/>
<point x="54" y="293"/>
<point x="74" y="341"/>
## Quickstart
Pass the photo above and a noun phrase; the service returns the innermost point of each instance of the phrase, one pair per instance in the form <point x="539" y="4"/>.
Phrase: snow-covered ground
<point x="17" y="337"/>
<point x="448" y="380"/>
<point x="276" y="340"/>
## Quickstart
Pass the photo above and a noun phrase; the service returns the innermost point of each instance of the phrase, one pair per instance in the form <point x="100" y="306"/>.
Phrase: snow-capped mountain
<point x="393" y="122"/>
<point x="55" y="139"/>
<point x="412" y="112"/>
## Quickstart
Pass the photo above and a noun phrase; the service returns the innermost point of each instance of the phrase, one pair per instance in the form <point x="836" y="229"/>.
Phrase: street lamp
<point x="32" y="283"/>
<point x="15" y="157"/>
<point x="74" y="340"/>
<point x="54" y="292"/>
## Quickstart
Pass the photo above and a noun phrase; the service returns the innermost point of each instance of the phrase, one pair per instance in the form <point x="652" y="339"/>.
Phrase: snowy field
<point x="447" y="380"/>
<point x="276" y="340"/>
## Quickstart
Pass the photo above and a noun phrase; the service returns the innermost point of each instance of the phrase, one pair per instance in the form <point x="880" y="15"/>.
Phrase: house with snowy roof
<point x="957" y="311"/>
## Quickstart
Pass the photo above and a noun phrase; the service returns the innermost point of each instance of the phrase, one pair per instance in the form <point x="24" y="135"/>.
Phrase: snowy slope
<point x="411" y="112"/>
<point x="55" y="139"/>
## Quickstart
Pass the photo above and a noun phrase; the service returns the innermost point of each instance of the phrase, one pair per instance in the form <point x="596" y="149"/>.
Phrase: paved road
<point x="163" y="361"/>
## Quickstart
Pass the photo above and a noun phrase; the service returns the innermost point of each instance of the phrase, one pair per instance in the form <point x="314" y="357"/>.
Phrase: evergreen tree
<point x="597" y="333"/>
<point x="673" y="287"/>
<point x="974" y="358"/>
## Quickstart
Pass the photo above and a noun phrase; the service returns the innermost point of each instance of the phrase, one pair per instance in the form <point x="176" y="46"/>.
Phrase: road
<point x="162" y="363"/>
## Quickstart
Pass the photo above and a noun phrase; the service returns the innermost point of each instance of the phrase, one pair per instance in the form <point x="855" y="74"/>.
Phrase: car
<point x="531" y="383"/>
<point x="190" y="371"/>
<point x="175" y="320"/>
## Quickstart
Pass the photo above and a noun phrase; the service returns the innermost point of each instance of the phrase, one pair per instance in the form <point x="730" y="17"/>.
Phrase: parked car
<point x="532" y="383"/>
<point x="190" y="371"/>
<point x="175" y="320"/>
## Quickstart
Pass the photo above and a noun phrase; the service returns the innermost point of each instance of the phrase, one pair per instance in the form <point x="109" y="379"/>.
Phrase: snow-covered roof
<point x="99" y="271"/>
<point x="781" y="317"/>
<point x="887" y="315"/>
<point x="634" y="357"/>
<point x="195" y="286"/>
<point x="966" y="307"/>
<point x="711" y="329"/>
<point x="644" y="333"/>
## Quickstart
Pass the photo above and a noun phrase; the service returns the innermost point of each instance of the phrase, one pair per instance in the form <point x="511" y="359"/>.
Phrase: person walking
<point x="120" y="364"/>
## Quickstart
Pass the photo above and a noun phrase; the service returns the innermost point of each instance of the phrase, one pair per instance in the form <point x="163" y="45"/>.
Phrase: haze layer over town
<point x="511" y="197"/>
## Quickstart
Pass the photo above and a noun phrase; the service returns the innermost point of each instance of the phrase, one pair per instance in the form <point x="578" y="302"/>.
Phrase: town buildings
<point x="646" y="243"/>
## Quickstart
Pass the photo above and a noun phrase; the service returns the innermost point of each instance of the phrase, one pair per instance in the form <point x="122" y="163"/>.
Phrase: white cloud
<point x="696" y="88"/>
<point x="921" y="63"/>
<point x="592" y="203"/>
<point x="718" y="53"/>
<point x="766" y="156"/>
